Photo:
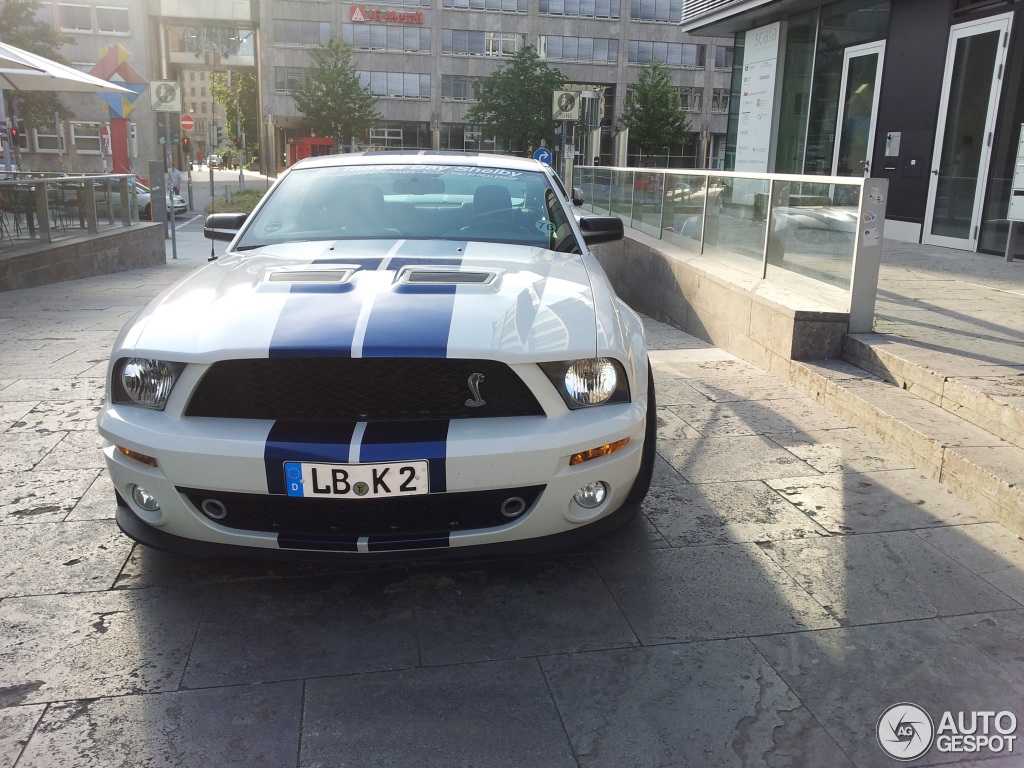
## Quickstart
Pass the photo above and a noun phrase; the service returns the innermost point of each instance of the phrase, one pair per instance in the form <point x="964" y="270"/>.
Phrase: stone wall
<point x="141" y="245"/>
<point x="762" y="322"/>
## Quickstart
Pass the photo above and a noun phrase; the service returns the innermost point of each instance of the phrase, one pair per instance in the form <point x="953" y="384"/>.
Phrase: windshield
<point x="413" y="202"/>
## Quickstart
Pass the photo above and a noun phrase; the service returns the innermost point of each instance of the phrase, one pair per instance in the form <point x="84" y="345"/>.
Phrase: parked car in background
<point x="214" y="160"/>
<point x="143" y="199"/>
<point x="400" y="354"/>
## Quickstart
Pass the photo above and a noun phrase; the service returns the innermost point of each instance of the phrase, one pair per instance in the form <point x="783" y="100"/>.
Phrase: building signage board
<point x="362" y="14"/>
<point x="757" y="98"/>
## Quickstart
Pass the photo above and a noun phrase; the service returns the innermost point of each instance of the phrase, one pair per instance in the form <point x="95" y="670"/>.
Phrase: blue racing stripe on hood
<point x="412" y="324"/>
<point x="315" y="321"/>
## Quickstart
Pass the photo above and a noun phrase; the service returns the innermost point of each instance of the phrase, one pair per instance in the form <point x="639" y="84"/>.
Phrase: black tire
<point x="643" y="478"/>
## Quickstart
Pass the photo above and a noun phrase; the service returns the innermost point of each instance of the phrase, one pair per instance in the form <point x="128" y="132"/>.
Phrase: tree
<point x="331" y="97"/>
<point x="240" y="97"/>
<point x="653" y="114"/>
<point x="21" y="29"/>
<point x="514" y="103"/>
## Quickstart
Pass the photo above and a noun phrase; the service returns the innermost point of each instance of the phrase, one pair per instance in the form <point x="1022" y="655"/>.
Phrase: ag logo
<point x="905" y="731"/>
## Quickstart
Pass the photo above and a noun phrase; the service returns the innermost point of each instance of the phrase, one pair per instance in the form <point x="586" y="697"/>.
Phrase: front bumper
<point x="483" y="459"/>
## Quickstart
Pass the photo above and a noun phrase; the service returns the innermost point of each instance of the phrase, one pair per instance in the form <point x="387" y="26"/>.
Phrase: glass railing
<point x="817" y="235"/>
<point x="42" y="208"/>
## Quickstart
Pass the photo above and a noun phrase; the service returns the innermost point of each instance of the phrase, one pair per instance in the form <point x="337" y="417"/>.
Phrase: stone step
<point x="986" y="393"/>
<point x="974" y="463"/>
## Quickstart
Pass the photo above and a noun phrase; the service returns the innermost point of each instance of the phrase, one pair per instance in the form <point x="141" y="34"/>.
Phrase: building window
<point x="596" y="9"/>
<point x="85" y="137"/>
<point x="287" y="79"/>
<point x="723" y="56"/>
<point x="685" y="55"/>
<point x="691" y="98"/>
<point x="719" y="99"/>
<point x="386" y="138"/>
<point x="597" y="49"/>
<point x="505" y="6"/>
<point x="466" y="42"/>
<point x="459" y="87"/>
<point x="191" y="75"/>
<point x="304" y="33"/>
<point x="112" y="21"/>
<point x="74" y="18"/>
<point x="396" y="85"/>
<point x="382" y="37"/>
<point x="669" y="11"/>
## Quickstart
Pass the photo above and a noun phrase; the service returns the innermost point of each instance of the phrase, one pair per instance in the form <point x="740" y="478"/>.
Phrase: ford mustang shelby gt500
<point x="399" y="354"/>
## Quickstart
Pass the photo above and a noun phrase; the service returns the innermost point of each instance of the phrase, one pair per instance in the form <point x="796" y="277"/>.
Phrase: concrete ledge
<point x="758" y="321"/>
<point x="973" y="463"/>
<point x="988" y="396"/>
<point x="116" y="250"/>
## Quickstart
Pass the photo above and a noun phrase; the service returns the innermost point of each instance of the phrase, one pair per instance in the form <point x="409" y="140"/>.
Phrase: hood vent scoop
<point x="334" y="276"/>
<point x="445" y="276"/>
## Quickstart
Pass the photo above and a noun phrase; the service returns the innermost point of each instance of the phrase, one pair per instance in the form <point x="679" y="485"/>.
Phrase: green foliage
<point x="241" y="93"/>
<point x="20" y="28"/>
<point x="652" y="113"/>
<point x="242" y="201"/>
<point x="515" y="102"/>
<point x="331" y="97"/>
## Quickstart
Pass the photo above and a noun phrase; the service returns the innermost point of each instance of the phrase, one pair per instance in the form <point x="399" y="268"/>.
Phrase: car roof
<point x="423" y="157"/>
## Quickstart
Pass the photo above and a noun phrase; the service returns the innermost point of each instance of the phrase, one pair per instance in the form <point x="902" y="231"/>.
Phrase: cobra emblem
<point x="474" y="389"/>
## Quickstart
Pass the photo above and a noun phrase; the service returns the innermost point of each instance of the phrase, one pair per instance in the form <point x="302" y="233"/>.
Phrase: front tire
<point x="642" y="484"/>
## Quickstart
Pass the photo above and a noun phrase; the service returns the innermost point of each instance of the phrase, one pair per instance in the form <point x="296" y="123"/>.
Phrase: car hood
<point x="376" y="298"/>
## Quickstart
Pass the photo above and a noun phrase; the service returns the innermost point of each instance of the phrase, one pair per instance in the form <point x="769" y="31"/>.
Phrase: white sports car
<point x="399" y="354"/>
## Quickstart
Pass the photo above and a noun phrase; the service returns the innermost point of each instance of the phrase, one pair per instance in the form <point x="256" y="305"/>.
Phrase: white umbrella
<point x="24" y="71"/>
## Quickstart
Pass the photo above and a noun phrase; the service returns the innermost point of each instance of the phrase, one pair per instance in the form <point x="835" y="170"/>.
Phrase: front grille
<point x="360" y="389"/>
<point x="408" y="515"/>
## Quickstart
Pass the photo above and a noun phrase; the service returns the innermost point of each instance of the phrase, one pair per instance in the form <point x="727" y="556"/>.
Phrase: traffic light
<point x="219" y="135"/>
<point x="15" y="134"/>
<point x="238" y="141"/>
<point x="186" y="143"/>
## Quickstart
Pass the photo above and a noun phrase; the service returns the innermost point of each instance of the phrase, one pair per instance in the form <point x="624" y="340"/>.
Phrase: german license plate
<point x="356" y="481"/>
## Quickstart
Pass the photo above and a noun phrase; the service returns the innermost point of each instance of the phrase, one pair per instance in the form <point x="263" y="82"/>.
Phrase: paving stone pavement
<point x="788" y="581"/>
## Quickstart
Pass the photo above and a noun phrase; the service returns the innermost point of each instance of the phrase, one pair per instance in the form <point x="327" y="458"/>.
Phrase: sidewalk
<point x="788" y="580"/>
<point x="949" y="348"/>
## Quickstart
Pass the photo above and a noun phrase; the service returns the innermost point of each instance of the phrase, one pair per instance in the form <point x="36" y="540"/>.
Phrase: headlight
<point x="591" y="381"/>
<point x="145" y="382"/>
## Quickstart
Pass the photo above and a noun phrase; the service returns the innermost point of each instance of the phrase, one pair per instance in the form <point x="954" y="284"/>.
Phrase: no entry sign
<point x="187" y="123"/>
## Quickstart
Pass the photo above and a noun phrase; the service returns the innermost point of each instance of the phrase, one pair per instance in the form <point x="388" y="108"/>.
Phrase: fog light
<point x="145" y="499"/>
<point x="213" y="509"/>
<point x="591" y="495"/>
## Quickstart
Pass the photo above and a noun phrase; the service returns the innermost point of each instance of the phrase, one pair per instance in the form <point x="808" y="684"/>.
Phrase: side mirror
<point x="601" y="229"/>
<point x="223" y="226"/>
<point x="577" y="196"/>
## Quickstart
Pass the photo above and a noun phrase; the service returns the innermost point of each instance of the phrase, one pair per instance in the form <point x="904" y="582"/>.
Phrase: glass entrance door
<point x="963" y="139"/>
<point x="858" y="105"/>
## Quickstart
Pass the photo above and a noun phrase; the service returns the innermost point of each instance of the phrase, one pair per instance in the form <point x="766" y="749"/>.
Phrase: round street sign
<point x="187" y="123"/>
<point x="543" y="154"/>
